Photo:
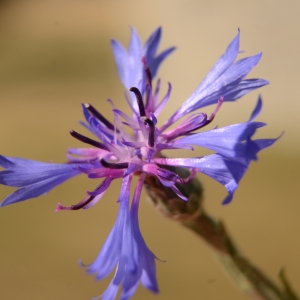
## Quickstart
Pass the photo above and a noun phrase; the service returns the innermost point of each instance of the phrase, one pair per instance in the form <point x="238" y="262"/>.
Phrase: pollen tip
<point x="58" y="208"/>
<point x="61" y="207"/>
<point x="87" y="105"/>
<point x="81" y="264"/>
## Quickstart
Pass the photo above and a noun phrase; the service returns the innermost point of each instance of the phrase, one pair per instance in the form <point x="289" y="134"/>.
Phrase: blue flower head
<point x="115" y="153"/>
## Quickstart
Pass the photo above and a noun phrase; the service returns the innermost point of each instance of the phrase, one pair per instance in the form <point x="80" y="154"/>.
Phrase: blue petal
<point x="121" y="60"/>
<point x="152" y="44"/>
<point x="264" y="143"/>
<point x="155" y="63"/>
<point x="23" y="177"/>
<point x="13" y="163"/>
<point x="130" y="282"/>
<point x="110" y="293"/>
<point x="126" y="248"/>
<point x="214" y="80"/>
<point x="230" y="93"/>
<point x="222" y="86"/>
<point x="233" y="93"/>
<point x="129" y="64"/>
<point x="150" y="49"/>
<point x="256" y="110"/>
<point x="35" y="190"/>
<point x="108" y="257"/>
<point x="158" y="109"/>
<point x="147" y="258"/>
<point x="227" y="171"/>
<point x="86" y="113"/>
<point x="226" y="79"/>
<point x="231" y="141"/>
<point x="34" y="178"/>
<point x="240" y="69"/>
<point x="112" y="249"/>
<point x="135" y="60"/>
<point x="128" y="293"/>
<point x="135" y="45"/>
<point x="258" y="145"/>
<point x="223" y="63"/>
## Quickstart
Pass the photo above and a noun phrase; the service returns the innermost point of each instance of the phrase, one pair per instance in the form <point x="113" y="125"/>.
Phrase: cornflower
<point x="118" y="154"/>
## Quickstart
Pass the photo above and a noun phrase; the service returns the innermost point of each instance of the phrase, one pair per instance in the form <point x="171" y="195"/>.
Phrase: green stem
<point x="192" y="215"/>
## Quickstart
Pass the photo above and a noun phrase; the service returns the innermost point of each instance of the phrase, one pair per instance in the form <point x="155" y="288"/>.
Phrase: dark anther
<point x="148" y="93"/>
<point x="151" y="132"/>
<point x="97" y="115"/>
<point x="83" y="203"/>
<point x="87" y="140"/>
<point x="139" y="100"/>
<point x="148" y="81"/>
<point x="147" y="71"/>
<point x="113" y="165"/>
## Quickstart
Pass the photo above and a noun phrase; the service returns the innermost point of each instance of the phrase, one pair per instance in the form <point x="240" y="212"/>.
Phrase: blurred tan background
<point x="56" y="54"/>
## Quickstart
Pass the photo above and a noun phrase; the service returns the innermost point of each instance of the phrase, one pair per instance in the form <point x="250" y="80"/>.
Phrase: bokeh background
<point x="55" y="55"/>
